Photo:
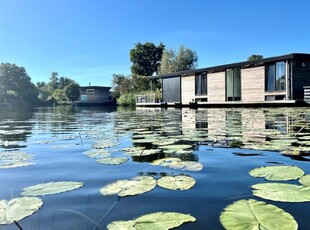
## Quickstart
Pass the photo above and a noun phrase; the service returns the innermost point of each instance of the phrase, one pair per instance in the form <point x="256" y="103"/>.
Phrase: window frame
<point x="201" y="84"/>
<point x="90" y="90"/>
<point x="275" y="77"/>
<point x="234" y="77"/>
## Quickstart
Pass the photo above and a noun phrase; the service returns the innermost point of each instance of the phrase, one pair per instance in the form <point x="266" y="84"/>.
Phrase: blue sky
<point x="89" y="40"/>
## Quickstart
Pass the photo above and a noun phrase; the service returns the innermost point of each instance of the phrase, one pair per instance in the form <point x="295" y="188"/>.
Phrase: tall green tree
<point x="121" y="84"/>
<point x="254" y="57"/>
<point x="72" y="91"/>
<point x="168" y="62"/>
<point x="54" y="81"/>
<point x="146" y="58"/>
<point x="15" y="84"/>
<point x="64" y="81"/>
<point x="184" y="59"/>
<point x="55" y="88"/>
<point x="140" y="83"/>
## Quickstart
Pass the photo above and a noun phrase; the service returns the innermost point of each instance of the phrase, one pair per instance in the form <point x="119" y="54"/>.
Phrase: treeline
<point x="16" y="88"/>
<point x="148" y="60"/>
<point x="58" y="89"/>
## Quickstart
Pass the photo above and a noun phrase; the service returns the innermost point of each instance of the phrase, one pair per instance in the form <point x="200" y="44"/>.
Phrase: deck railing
<point x="147" y="98"/>
<point x="307" y="94"/>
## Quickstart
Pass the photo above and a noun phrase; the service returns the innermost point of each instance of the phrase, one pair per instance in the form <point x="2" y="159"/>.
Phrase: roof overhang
<point x="242" y="65"/>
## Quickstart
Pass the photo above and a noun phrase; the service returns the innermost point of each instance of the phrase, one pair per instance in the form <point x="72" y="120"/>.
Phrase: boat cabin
<point x="95" y="96"/>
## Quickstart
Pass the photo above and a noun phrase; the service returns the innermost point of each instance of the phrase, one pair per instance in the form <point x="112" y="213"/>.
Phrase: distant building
<point x="95" y="96"/>
<point x="277" y="80"/>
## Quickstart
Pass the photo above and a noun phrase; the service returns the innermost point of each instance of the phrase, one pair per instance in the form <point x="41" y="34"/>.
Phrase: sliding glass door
<point x="233" y="84"/>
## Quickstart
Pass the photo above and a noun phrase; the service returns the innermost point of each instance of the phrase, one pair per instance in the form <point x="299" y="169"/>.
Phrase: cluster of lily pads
<point x="161" y="139"/>
<point x="253" y="214"/>
<point x="142" y="184"/>
<point x="18" y="208"/>
<point x="171" y="143"/>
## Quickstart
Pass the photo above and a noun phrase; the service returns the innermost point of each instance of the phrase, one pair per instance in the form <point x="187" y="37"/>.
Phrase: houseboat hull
<point x="290" y="103"/>
<point x="99" y="103"/>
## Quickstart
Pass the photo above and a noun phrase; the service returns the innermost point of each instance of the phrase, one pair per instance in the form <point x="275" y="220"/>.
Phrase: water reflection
<point x="285" y="130"/>
<point x="195" y="135"/>
<point x="15" y="127"/>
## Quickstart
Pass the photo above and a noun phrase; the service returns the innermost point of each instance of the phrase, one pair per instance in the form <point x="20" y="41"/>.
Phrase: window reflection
<point x="275" y="77"/>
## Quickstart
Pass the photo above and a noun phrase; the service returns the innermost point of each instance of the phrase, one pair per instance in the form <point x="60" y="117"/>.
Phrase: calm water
<point x="58" y="138"/>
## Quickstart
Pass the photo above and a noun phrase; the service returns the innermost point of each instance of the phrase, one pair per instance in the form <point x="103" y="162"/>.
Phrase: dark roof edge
<point x="92" y="86"/>
<point x="245" y="64"/>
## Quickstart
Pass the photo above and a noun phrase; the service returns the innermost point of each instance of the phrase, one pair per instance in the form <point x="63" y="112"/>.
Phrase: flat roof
<point x="92" y="87"/>
<point x="245" y="64"/>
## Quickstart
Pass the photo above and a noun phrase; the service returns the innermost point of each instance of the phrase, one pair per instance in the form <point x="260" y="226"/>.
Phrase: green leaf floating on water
<point x="305" y="180"/>
<point x="144" y="152"/>
<point x="14" y="159"/>
<point x="176" y="163"/>
<point x="164" y="142"/>
<point x="18" y="208"/>
<point x="153" y="221"/>
<point x="176" y="147"/>
<point x="252" y="214"/>
<point x="105" y="144"/>
<point x="135" y="186"/>
<point x="112" y="160"/>
<point x="176" y="182"/>
<point x="97" y="153"/>
<point x="51" y="188"/>
<point x="280" y="173"/>
<point x="282" y="192"/>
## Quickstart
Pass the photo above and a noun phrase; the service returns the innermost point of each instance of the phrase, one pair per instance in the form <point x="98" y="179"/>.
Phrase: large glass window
<point x="233" y="84"/>
<point x="201" y="87"/>
<point x="275" y="79"/>
<point x="171" y="89"/>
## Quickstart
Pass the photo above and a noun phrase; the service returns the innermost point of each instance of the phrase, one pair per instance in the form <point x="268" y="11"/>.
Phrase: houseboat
<point x="282" y="80"/>
<point x="95" y="96"/>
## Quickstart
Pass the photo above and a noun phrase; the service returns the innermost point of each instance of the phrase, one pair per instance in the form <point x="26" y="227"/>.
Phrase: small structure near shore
<point x="95" y="96"/>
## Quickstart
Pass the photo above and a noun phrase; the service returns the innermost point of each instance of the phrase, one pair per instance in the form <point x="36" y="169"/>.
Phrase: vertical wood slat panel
<point x="188" y="89"/>
<point x="253" y="84"/>
<point x="216" y="87"/>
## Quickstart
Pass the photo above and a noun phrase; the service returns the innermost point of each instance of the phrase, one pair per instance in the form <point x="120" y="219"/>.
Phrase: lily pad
<point x="153" y="221"/>
<point x="176" y="182"/>
<point x="51" y="188"/>
<point x="176" y="147"/>
<point x="144" y="152"/>
<point x="14" y="159"/>
<point x="112" y="160"/>
<point x="97" y="153"/>
<point x="252" y="214"/>
<point x="134" y="149"/>
<point x="135" y="186"/>
<point x="18" y="208"/>
<point x="179" y="151"/>
<point x="144" y="140"/>
<point x="305" y="180"/>
<point x="176" y="163"/>
<point x="280" y="173"/>
<point x="164" y="142"/>
<point x="282" y="192"/>
<point x="105" y="144"/>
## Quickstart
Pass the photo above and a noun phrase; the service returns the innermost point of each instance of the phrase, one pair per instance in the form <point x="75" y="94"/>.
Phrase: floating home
<point x="95" y="96"/>
<point x="282" y="80"/>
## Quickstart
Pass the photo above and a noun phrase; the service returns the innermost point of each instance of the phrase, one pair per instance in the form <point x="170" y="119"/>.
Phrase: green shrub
<point x="127" y="99"/>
